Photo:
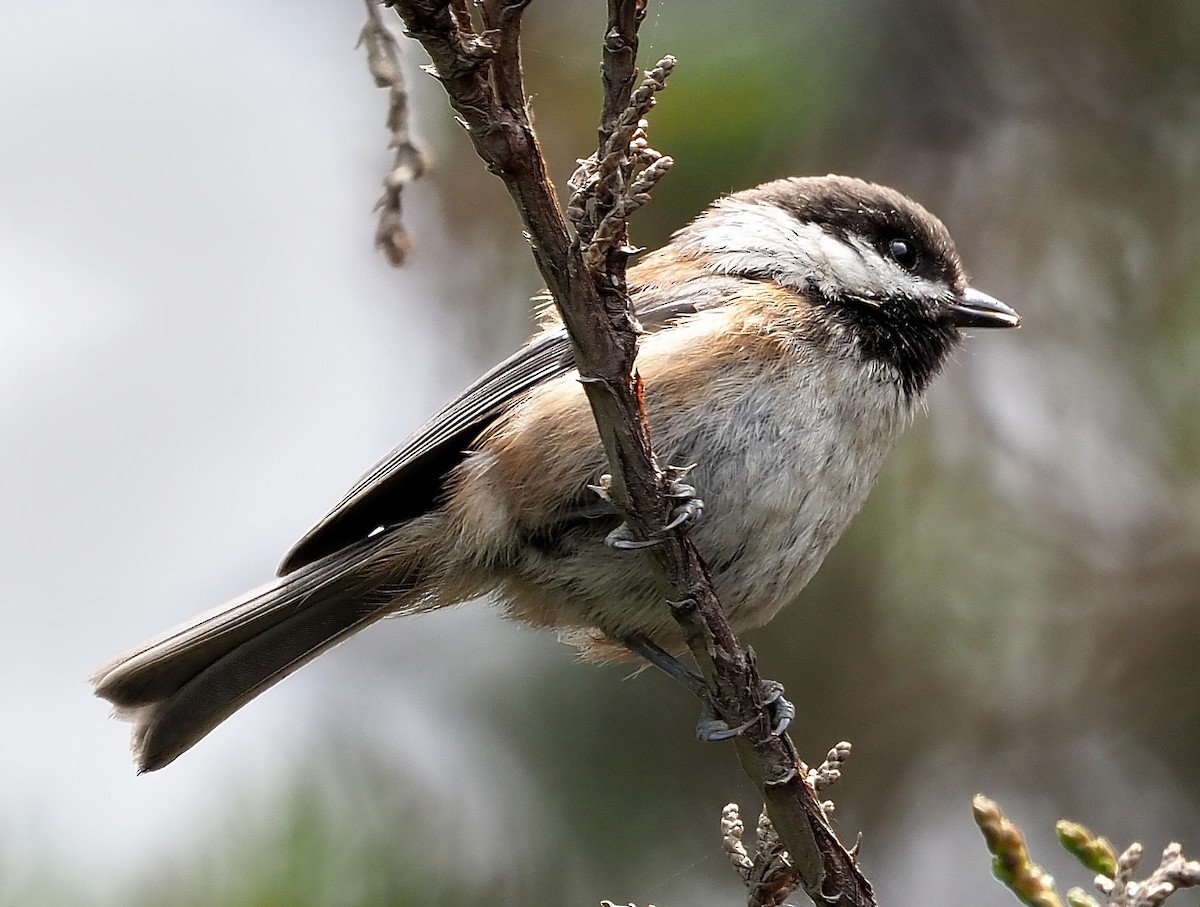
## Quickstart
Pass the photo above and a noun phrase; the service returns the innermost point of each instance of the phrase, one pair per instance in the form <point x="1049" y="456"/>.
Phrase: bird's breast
<point x="786" y="454"/>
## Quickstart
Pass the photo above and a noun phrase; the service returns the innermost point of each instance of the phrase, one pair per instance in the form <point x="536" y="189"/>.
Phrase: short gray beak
<point x="973" y="309"/>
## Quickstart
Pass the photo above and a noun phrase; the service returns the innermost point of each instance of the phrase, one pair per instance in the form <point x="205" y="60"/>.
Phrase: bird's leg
<point x="711" y="727"/>
<point x="667" y="663"/>
<point x="685" y="514"/>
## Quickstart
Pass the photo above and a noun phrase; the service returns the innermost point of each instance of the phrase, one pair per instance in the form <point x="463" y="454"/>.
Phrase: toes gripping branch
<point x="684" y="515"/>
<point x="712" y="727"/>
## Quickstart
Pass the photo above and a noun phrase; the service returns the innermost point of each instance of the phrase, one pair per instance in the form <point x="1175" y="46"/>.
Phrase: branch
<point x="481" y="73"/>
<point x="1013" y="866"/>
<point x="383" y="59"/>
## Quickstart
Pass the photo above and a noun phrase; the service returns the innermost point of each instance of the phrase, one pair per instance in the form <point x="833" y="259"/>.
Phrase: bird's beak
<point x="973" y="309"/>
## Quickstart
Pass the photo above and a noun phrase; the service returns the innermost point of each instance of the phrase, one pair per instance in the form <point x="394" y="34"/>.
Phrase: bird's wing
<point x="408" y="481"/>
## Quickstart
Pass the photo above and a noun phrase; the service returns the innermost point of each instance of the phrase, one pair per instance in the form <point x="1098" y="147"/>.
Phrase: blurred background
<point x="200" y="350"/>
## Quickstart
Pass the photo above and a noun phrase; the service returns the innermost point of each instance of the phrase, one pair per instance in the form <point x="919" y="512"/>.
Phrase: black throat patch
<point x="900" y="334"/>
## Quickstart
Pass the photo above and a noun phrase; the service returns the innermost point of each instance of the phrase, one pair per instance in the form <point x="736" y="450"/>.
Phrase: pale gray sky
<point x="199" y="351"/>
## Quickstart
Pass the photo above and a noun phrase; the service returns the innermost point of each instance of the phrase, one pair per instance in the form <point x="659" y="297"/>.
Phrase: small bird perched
<point x="792" y="330"/>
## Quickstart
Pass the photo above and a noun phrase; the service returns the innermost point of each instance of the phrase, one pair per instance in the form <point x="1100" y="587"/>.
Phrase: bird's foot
<point x="685" y="515"/>
<point x="712" y="727"/>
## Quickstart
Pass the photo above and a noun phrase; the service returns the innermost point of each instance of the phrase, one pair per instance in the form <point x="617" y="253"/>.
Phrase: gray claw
<point x="681" y="491"/>
<point x="712" y="728"/>
<point x="715" y="730"/>
<point x="685" y="515"/>
<point x="781" y="708"/>
<point x="692" y="507"/>
<point x="620" y="540"/>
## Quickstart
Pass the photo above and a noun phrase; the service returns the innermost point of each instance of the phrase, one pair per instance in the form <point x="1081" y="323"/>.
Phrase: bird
<point x="789" y="334"/>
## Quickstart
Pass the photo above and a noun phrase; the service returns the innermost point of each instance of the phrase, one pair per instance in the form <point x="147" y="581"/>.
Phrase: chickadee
<point x="792" y="330"/>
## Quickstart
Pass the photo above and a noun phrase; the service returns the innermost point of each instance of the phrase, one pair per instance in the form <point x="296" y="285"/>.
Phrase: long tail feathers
<point x="178" y="687"/>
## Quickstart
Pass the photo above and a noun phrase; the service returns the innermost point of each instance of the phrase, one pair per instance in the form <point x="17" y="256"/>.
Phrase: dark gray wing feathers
<point x="410" y="479"/>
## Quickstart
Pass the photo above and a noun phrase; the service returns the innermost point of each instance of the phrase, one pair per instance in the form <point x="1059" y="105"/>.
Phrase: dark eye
<point x="904" y="253"/>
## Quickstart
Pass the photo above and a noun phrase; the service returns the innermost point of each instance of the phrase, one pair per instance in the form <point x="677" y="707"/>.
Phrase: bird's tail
<point x="178" y="687"/>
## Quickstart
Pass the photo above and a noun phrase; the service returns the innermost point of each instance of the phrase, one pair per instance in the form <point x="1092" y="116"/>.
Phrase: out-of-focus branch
<point x="481" y="73"/>
<point x="1013" y="866"/>
<point x="408" y="164"/>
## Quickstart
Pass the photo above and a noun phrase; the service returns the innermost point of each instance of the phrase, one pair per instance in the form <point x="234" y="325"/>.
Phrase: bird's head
<point x="867" y="265"/>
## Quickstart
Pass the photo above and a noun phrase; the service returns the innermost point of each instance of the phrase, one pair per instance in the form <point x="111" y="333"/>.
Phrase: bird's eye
<point x="904" y="253"/>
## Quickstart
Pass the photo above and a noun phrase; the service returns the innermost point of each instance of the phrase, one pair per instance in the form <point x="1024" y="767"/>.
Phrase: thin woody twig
<point x="408" y="164"/>
<point x="1013" y="866"/>
<point x="610" y="185"/>
<point x="769" y="875"/>
<point x="481" y="73"/>
<point x="618" y="64"/>
<point x="482" y="77"/>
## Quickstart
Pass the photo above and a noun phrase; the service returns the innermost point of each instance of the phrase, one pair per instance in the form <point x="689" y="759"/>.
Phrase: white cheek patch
<point x="892" y="278"/>
<point x="747" y="238"/>
<point x="842" y="266"/>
